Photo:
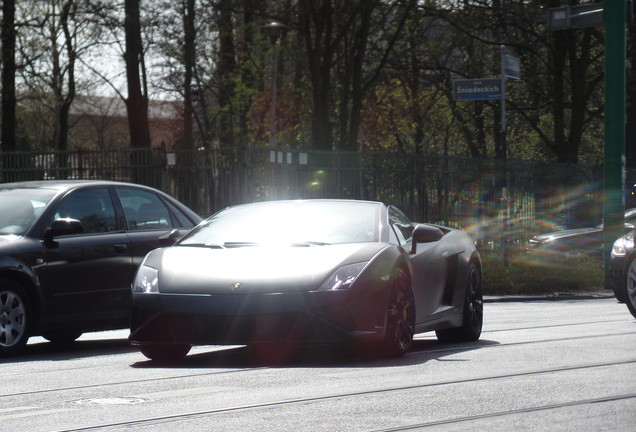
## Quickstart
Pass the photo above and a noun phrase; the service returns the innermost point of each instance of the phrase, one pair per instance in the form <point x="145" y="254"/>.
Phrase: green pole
<point x="614" y="15"/>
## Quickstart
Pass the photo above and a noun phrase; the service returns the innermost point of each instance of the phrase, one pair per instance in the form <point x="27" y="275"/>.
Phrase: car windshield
<point x="20" y="208"/>
<point x="302" y="223"/>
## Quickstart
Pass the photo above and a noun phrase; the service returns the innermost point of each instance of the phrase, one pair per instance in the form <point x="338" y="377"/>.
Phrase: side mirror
<point x="425" y="234"/>
<point x="66" y="226"/>
<point x="170" y="238"/>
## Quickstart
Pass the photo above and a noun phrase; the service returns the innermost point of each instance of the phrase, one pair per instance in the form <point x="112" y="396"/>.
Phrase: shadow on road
<point x="48" y="351"/>
<point x="281" y="355"/>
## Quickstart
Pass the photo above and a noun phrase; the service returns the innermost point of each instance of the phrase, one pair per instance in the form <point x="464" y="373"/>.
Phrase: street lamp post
<point x="273" y="30"/>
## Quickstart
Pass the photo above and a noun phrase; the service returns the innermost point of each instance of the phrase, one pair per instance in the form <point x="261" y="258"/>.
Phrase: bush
<point x="540" y="272"/>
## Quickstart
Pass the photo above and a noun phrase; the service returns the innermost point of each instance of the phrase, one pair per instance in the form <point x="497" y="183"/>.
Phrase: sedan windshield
<point x="20" y="208"/>
<point x="300" y="223"/>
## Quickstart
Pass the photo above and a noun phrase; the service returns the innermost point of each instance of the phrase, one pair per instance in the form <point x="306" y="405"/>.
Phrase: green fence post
<point x="614" y="13"/>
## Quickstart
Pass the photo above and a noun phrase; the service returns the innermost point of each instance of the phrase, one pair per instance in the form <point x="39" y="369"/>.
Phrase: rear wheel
<point x="165" y="353"/>
<point x="400" y="317"/>
<point x="630" y="292"/>
<point x="473" y="311"/>
<point x="15" y="317"/>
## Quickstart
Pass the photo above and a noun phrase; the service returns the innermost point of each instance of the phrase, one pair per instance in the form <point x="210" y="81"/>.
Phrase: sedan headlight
<point x="620" y="246"/>
<point x="147" y="280"/>
<point x="342" y="278"/>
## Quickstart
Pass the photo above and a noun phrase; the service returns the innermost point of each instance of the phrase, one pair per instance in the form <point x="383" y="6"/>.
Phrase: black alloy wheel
<point x="630" y="292"/>
<point x="400" y="320"/>
<point x="473" y="311"/>
<point x="15" y="316"/>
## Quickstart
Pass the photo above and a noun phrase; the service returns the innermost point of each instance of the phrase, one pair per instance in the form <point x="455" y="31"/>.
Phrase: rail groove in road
<point x="303" y="400"/>
<point x="450" y="348"/>
<point x="420" y="426"/>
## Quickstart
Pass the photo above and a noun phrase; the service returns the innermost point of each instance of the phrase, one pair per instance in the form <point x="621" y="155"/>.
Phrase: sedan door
<point x="88" y="274"/>
<point x="151" y="221"/>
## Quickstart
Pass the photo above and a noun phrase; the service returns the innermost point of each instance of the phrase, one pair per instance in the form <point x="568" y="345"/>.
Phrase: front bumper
<point x="244" y="319"/>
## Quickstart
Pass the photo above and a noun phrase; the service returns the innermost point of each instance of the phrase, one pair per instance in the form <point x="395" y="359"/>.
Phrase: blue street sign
<point x="477" y="89"/>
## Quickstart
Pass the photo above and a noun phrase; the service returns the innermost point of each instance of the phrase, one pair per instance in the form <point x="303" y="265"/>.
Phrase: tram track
<point x="424" y="425"/>
<point x="328" y="361"/>
<point x="373" y="392"/>
<point x="525" y="368"/>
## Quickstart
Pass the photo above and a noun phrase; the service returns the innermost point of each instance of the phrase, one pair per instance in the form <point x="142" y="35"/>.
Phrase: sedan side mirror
<point x="425" y="234"/>
<point x="65" y="226"/>
<point x="170" y="238"/>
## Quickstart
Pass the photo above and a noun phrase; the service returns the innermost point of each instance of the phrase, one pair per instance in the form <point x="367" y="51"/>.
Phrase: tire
<point x="473" y="311"/>
<point x="400" y="317"/>
<point x="62" y="337"/>
<point x="15" y="317"/>
<point x="165" y="353"/>
<point x="630" y="292"/>
<point x="620" y="293"/>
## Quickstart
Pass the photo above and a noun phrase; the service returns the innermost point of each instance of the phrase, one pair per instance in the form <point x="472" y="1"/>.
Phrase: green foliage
<point x="540" y="273"/>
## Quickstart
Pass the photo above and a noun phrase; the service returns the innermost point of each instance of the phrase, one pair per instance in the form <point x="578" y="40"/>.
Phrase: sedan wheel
<point x="165" y="353"/>
<point x="630" y="300"/>
<point x="14" y="317"/>
<point x="473" y="311"/>
<point x="400" y="318"/>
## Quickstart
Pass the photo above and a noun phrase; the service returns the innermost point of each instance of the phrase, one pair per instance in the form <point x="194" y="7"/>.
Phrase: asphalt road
<point x="566" y="365"/>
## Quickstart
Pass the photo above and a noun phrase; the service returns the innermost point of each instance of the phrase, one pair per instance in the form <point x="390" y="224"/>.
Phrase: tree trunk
<point x="558" y="92"/>
<point x="189" y="62"/>
<point x="8" y="88"/>
<point x="320" y="59"/>
<point x="225" y="70"/>
<point x="137" y="101"/>
<point x="8" y="75"/>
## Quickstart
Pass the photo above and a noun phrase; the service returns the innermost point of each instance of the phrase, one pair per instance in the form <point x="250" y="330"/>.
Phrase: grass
<point x="539" y="272"/>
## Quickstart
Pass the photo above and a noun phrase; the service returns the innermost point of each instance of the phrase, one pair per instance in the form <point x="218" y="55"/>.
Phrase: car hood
<point x="565" y="233"/>
<point x="256" y="269"/>
<point x="4" y="239"/>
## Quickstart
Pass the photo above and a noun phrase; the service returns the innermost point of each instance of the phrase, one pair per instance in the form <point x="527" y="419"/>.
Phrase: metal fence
<point x="491" y="199"/>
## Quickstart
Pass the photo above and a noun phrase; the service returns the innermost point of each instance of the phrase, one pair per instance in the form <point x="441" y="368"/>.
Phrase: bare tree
<point x="57" y="33"/>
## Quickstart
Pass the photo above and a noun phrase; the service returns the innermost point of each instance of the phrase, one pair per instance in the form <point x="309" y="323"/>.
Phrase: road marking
<point x="183" y="392"/>
<point x="31" y="413"/>
<point x="357" y="374"/>
<point x="13" y="409"/>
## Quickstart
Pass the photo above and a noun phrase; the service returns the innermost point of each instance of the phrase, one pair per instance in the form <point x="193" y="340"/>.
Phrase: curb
<point x="549" y="297"/>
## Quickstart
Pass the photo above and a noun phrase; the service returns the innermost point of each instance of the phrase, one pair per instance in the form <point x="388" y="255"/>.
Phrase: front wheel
<point x="165" y="353"/>
<point x="630" y="294"/>
<point x="15" y="316"/>
<point x="400" y="317"/>
<point x="473" y="311"/>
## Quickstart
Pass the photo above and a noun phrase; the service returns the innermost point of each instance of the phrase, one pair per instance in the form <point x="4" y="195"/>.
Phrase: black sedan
<point x="623" y="271"/>
<point x="319" y="271"/>
<point x="69" y="251"/>
<point x="587" y="241"/>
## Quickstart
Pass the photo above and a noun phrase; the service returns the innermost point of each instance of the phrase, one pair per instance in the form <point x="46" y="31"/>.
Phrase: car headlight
<point x="620" y="246"/>
<point x="147" y="280"/>
<point x="342" y="278"/>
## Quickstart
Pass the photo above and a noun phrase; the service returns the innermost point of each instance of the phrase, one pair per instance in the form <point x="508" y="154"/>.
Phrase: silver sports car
<point x="319" y="271"/>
